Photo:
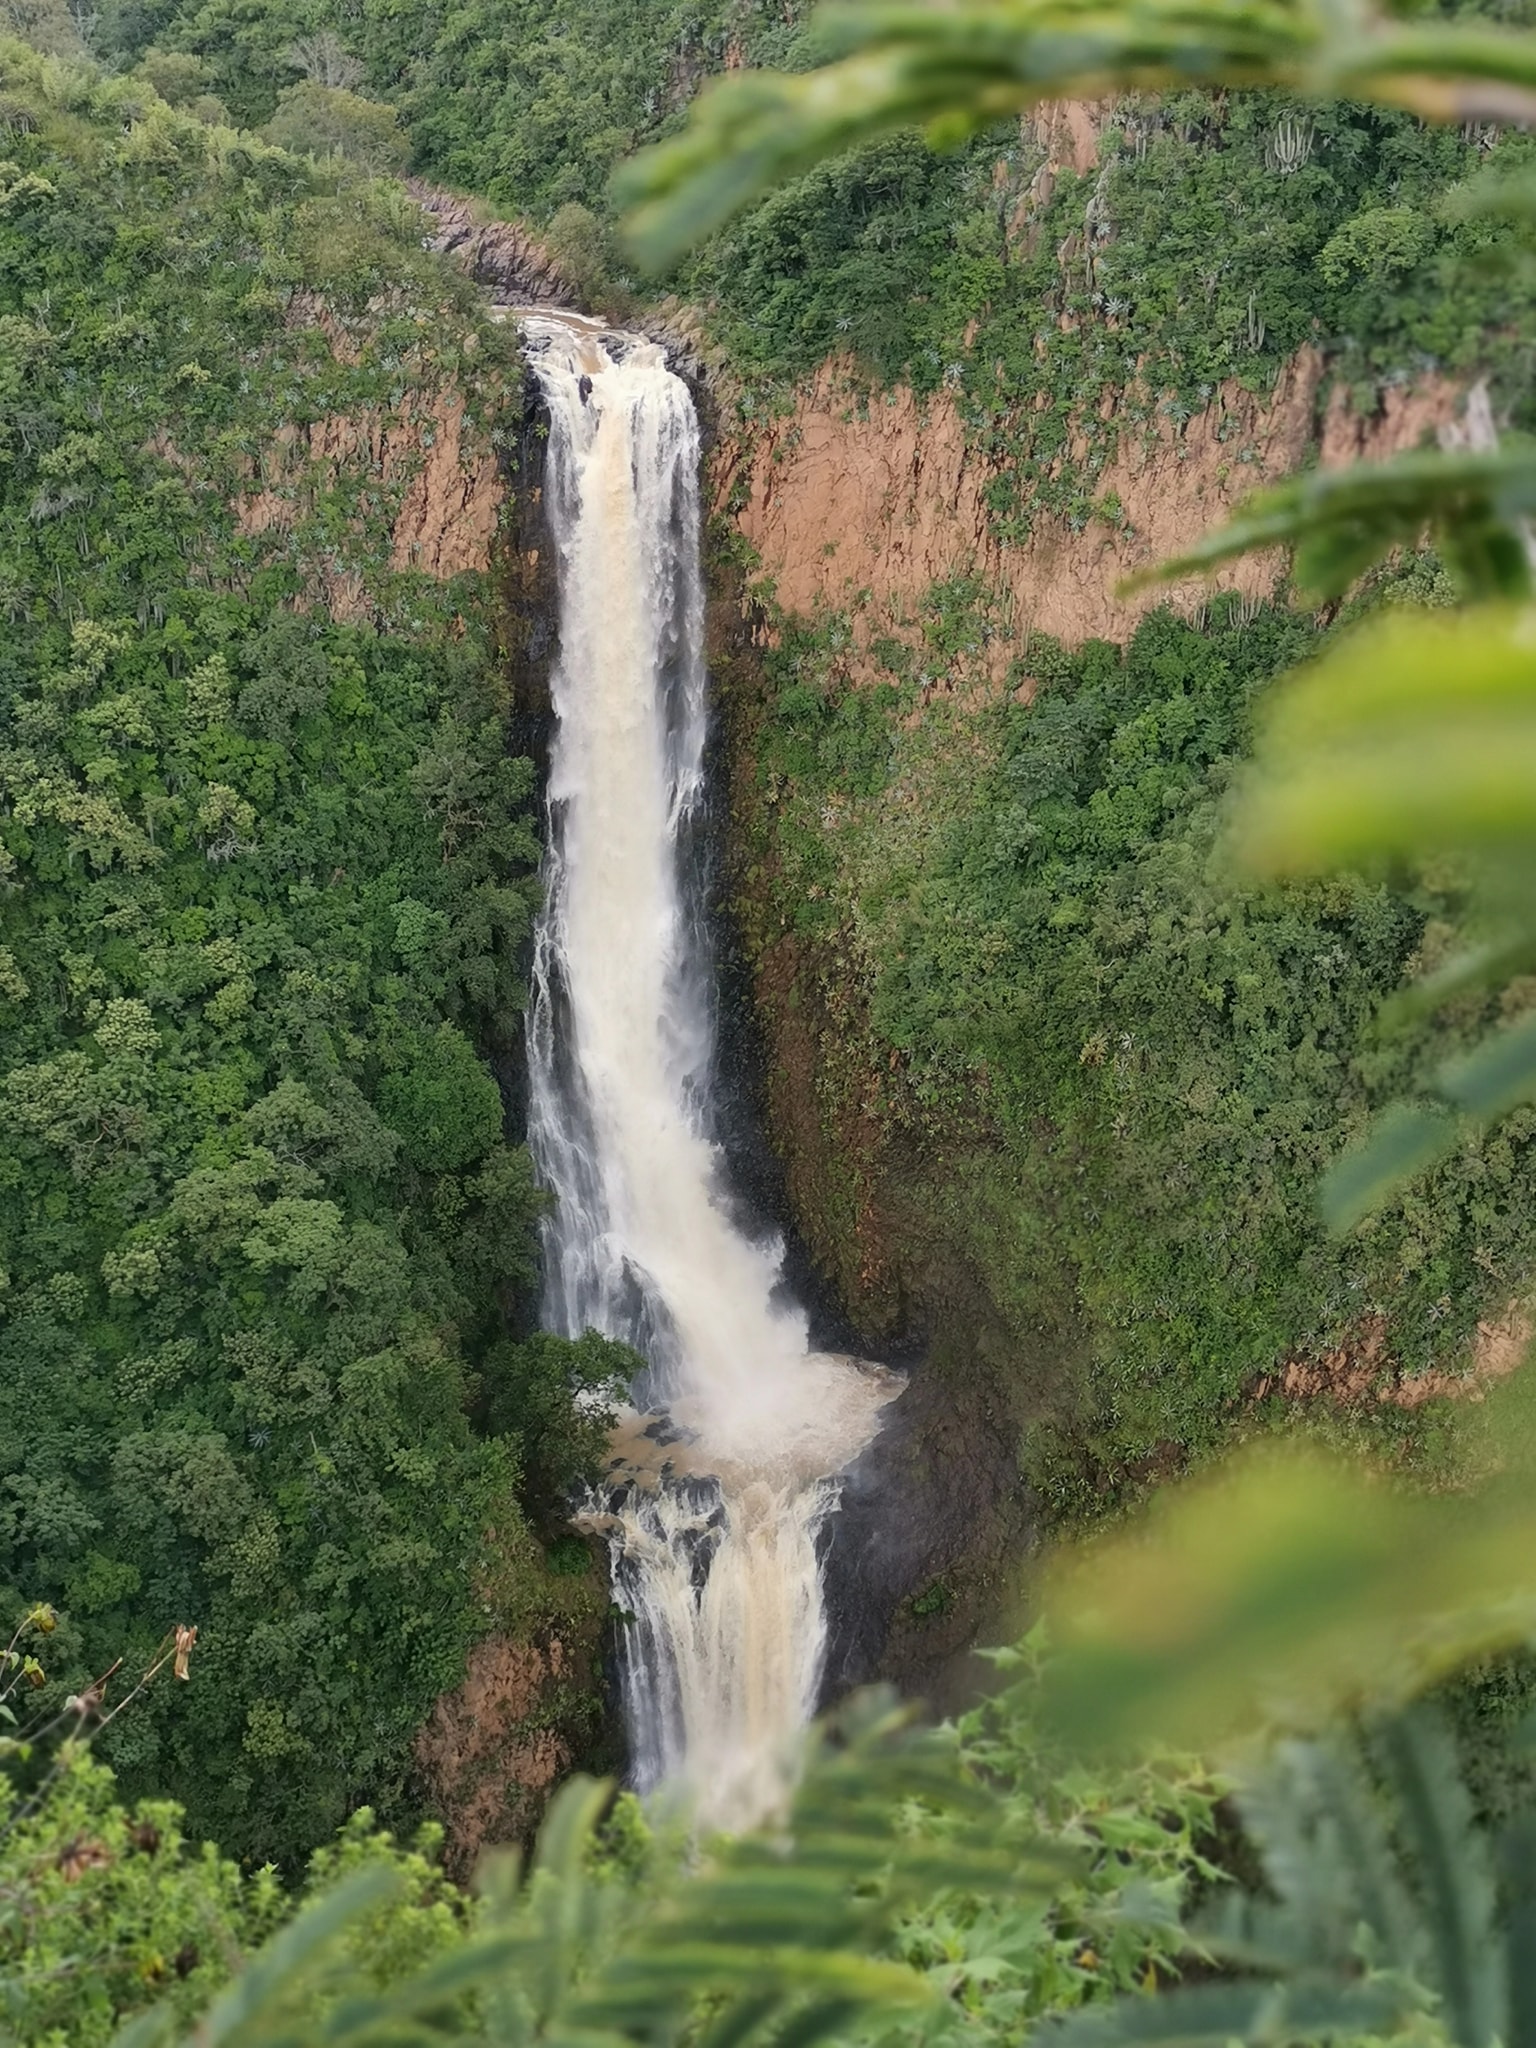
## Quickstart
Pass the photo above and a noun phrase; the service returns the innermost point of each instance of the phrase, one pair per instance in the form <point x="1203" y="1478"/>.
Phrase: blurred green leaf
<point x="1406" y="1140"/>
<point x="954" y="69"/>
<point x="1259" y="2011"/>
<point x="1280" y="1588"/>
<point x="1415" y="732"/>
<point x="1342" y="522"/>
<point x="1500" y="1073"/>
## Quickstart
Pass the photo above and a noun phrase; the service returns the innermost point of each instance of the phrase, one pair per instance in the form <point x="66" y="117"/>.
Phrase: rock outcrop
<point x="502" y="255"/>
<point x="493" y="1750"/>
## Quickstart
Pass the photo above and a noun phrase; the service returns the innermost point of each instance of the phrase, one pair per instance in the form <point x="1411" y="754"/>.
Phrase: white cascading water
<point x="715" y="1558"/>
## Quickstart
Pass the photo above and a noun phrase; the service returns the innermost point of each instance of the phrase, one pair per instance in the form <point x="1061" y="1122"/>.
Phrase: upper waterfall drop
<point x="718" y="1567"/>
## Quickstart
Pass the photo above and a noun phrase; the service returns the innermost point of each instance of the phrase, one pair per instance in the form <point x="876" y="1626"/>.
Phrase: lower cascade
<point x="724" y="1475"/>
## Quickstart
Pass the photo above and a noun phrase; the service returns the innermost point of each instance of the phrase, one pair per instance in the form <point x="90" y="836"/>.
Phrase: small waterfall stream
<point x="713" y="1530"/>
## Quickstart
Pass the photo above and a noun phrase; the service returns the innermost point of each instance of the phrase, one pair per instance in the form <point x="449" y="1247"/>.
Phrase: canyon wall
<point x="861" y="500"/>
<point x="429" y="478"/>
<point x="419" y="484"/>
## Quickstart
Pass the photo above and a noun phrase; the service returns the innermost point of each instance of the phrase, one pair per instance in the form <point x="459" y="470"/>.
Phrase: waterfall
<point x="712" y="1525"/>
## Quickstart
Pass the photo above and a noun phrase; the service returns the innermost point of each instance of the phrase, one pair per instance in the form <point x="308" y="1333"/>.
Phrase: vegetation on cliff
<point x="1040" y="993"/>
<point x="1066" y="311"/>
<point x="1115" y="1072"/>
<point x="267" y="867"/>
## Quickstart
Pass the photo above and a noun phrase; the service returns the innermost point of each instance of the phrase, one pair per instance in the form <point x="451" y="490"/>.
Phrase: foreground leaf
<point x="1280" y="1588"/>
<point x="954" y="69"/>
<point x="782" y="1934"/>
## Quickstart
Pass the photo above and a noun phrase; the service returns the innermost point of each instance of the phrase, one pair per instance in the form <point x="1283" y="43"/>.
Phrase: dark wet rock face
<point x="925" y="1551"/>
<point x="513" y="266"/>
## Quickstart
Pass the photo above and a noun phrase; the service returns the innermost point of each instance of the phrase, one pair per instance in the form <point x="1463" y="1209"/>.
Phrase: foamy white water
<point x="722" y="1660"/>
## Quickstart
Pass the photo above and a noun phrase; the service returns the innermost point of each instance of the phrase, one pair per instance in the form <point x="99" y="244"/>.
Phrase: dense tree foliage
<point x="266" y="878"/>
<point x="530" y="102"/>
<point x="1118" y="1071"/>
<point x="110" y="1909"/>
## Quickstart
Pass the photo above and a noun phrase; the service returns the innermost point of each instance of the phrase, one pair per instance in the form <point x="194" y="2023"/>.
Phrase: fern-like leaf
<point x="1342" y="522"/>
<point x="775" y="1935"/>
<point x="1452" y="1865"/>
<point x="1297" y="2010"/>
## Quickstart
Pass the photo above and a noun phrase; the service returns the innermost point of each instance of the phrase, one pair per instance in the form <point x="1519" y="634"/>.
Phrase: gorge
<point x="384" y="682"/>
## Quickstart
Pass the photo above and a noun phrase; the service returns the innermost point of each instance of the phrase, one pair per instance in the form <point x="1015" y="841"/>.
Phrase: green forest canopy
<point x="267" y="876"/>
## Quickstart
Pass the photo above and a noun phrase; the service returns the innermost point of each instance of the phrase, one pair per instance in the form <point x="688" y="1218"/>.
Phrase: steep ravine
<point x="859" y="503"/>
<point x="935" y="1516"/>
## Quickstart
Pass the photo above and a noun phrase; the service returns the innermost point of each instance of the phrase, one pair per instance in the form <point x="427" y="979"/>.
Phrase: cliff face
<point x="498" y="1745"/>
<point x="863" y="501"/>
<point x="429" y="480"/>
<point x="859" y="503"/>
<point x="419" y="484"/>
<point x="353" y="496"/>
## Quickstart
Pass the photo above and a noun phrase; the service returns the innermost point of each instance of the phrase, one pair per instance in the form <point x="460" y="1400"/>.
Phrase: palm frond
<point x="257" y="2006"/>
<point x="1329" y="1859"/>
<point x="1296" y="2009"/>
<point x="1517" y="1874"/>
<point x="1451" y="1863"/>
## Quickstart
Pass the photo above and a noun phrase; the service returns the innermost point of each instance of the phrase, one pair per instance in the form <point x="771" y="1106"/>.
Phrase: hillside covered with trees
<point x="268" y="866"/>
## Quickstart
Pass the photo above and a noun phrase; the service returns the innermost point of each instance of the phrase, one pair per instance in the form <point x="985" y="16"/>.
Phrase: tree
<point x="444" y="1103"/>
<point x="176" y="76"/>
<point x="325" y="60"/>
<point x="324" y="120"/>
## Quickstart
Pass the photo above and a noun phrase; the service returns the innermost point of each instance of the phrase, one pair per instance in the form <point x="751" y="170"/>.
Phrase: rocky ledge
<point x="501" y="255"/>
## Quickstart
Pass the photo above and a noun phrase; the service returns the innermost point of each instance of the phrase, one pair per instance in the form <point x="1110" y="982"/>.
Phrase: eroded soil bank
<point x="859" y="503"/>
